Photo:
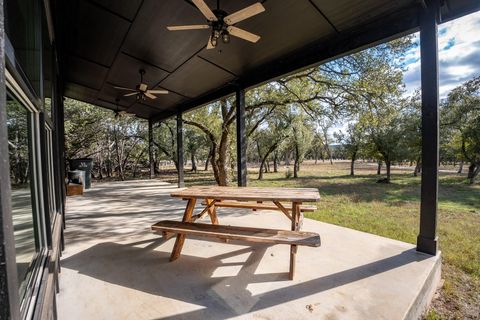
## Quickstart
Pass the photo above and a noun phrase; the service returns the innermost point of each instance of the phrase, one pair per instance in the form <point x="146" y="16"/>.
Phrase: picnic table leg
<point x="212" y="211"/>
<point x="293" y="247"/>
<point x="187" y="216"/>
<point x="257" y="202"/>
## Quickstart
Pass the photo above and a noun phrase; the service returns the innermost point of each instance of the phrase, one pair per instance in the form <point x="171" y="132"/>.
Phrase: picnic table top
<point x="249" y="193"/>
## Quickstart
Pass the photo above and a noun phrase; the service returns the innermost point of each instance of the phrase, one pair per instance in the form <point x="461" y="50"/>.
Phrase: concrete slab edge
<point x="424" y="297"/>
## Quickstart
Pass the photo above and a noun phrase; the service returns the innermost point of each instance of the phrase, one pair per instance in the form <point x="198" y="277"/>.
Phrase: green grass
<point x="392" y="210"/>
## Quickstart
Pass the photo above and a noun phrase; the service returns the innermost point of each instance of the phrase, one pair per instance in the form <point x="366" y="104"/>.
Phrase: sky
<point x="459" y="55"/>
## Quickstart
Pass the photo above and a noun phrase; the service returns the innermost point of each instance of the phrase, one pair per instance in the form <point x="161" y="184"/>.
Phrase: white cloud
<point x="459" y="54"/>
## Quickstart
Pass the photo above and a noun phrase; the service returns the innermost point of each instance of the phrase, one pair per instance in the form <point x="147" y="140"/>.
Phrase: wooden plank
<point x="250" y="194"/>
<point x="301" y="238"/>
<point x="187" y="216"/>
<point x="260" y="206"/>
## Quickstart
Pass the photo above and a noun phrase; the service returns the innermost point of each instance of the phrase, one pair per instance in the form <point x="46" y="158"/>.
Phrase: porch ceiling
<point x="106" y="42"/>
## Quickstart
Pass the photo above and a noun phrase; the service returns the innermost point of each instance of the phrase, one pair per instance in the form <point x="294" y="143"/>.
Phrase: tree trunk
<point x="460" y="170"/>
<point x="209" y="157"/>
<point x="418" y="167"/>
<point x="194" y="163"/>
<point x="473" y="170"/>
<point x="287" y="158"/>
<point x="119" y="160"/>
<point x="137" y="160"/>
<point x="388" y="164"/>
<point x="352" y="164"/>
<point x="379" y="168"/>
<point x="109" y="157"/>
<point x="223" y="159"/>
<point x="296" y="163"/>
<point x="326" y="146"/>
<point x="264" y="159"/>
<point x="206" y="163"/>
<point x="275" y="162"/>
<point x="100" y="166"/>
<point x="475" y="174"/>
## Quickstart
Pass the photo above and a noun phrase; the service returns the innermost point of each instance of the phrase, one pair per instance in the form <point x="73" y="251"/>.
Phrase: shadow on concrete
<point x="124" y="209"/>
<point x="192" y="279"/>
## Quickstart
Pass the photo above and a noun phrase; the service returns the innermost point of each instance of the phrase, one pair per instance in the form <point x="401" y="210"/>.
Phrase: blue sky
<point x="459" y="54"/>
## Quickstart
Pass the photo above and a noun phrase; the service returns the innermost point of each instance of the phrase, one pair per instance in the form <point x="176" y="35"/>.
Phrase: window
<point x="50" y="176"/>
<point x="27" y="206"/>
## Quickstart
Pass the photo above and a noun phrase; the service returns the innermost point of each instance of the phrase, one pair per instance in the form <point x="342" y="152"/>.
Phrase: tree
<point x="165" y="140"/>
<point x="462" y="112"/>
<point x="117" y="143"/>
<point x="301" y="138"/>
<point x="269" y="138"/>
<point x="352" y="143"/>
<point x="196" y="145"/>
<point x="412" y="126"/>
<point x="215" y="121"/>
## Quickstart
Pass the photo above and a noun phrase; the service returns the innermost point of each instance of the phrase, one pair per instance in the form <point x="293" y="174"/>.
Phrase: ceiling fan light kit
<point x="222" y="24"/>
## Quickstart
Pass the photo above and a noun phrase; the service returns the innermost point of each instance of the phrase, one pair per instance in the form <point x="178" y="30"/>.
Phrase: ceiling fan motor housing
<point x="219" y="27"/>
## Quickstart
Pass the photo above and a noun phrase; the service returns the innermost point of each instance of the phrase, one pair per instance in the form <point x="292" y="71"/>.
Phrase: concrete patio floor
<point x="113" y="267"/>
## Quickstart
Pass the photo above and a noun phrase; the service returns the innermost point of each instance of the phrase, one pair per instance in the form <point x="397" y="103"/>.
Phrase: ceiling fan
<point x="222" y="24"/>
<point x="141" y="90"/>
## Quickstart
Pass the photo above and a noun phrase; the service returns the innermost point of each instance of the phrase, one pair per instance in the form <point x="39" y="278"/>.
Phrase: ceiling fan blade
<point x="189" y="27"/>
<point x="245" y="13"/>
<point x="245" y="35"/>
<point x="157" y="91"/>
<point x="130" y="94"/>
<point x="123" y="88"/>
<point x="209" y="44"/>
<point x="205" y="10"/>
<point x="151" y="96"/>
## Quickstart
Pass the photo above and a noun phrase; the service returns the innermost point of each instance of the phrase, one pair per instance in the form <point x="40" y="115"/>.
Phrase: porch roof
<point x="106" y="42"/>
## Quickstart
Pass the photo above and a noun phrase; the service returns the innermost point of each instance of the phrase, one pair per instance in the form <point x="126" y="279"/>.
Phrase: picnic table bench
<point x="286" y="200"/>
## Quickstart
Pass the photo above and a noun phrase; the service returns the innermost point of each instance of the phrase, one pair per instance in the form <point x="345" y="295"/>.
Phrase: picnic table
<point x="288" y="201"/>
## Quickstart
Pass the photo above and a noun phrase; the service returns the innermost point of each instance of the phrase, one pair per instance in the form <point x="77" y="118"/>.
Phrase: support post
<point x="241" y="139"/>
<point x="9" y="297"/>
<point x="181" y="181"/>
<point x="150" y="149"/>
<point x="427" y="239"/>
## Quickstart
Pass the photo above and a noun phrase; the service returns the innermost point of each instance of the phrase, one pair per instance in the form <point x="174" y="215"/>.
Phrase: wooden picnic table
<point x="243" y="197"/>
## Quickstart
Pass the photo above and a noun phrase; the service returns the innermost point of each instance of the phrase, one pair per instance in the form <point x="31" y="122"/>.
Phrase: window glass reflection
<point x="18" y="125"/>
<point x="23" y="30"/>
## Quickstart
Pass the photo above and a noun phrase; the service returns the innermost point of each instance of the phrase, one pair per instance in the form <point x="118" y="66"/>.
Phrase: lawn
<point x="392" y="210"/>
